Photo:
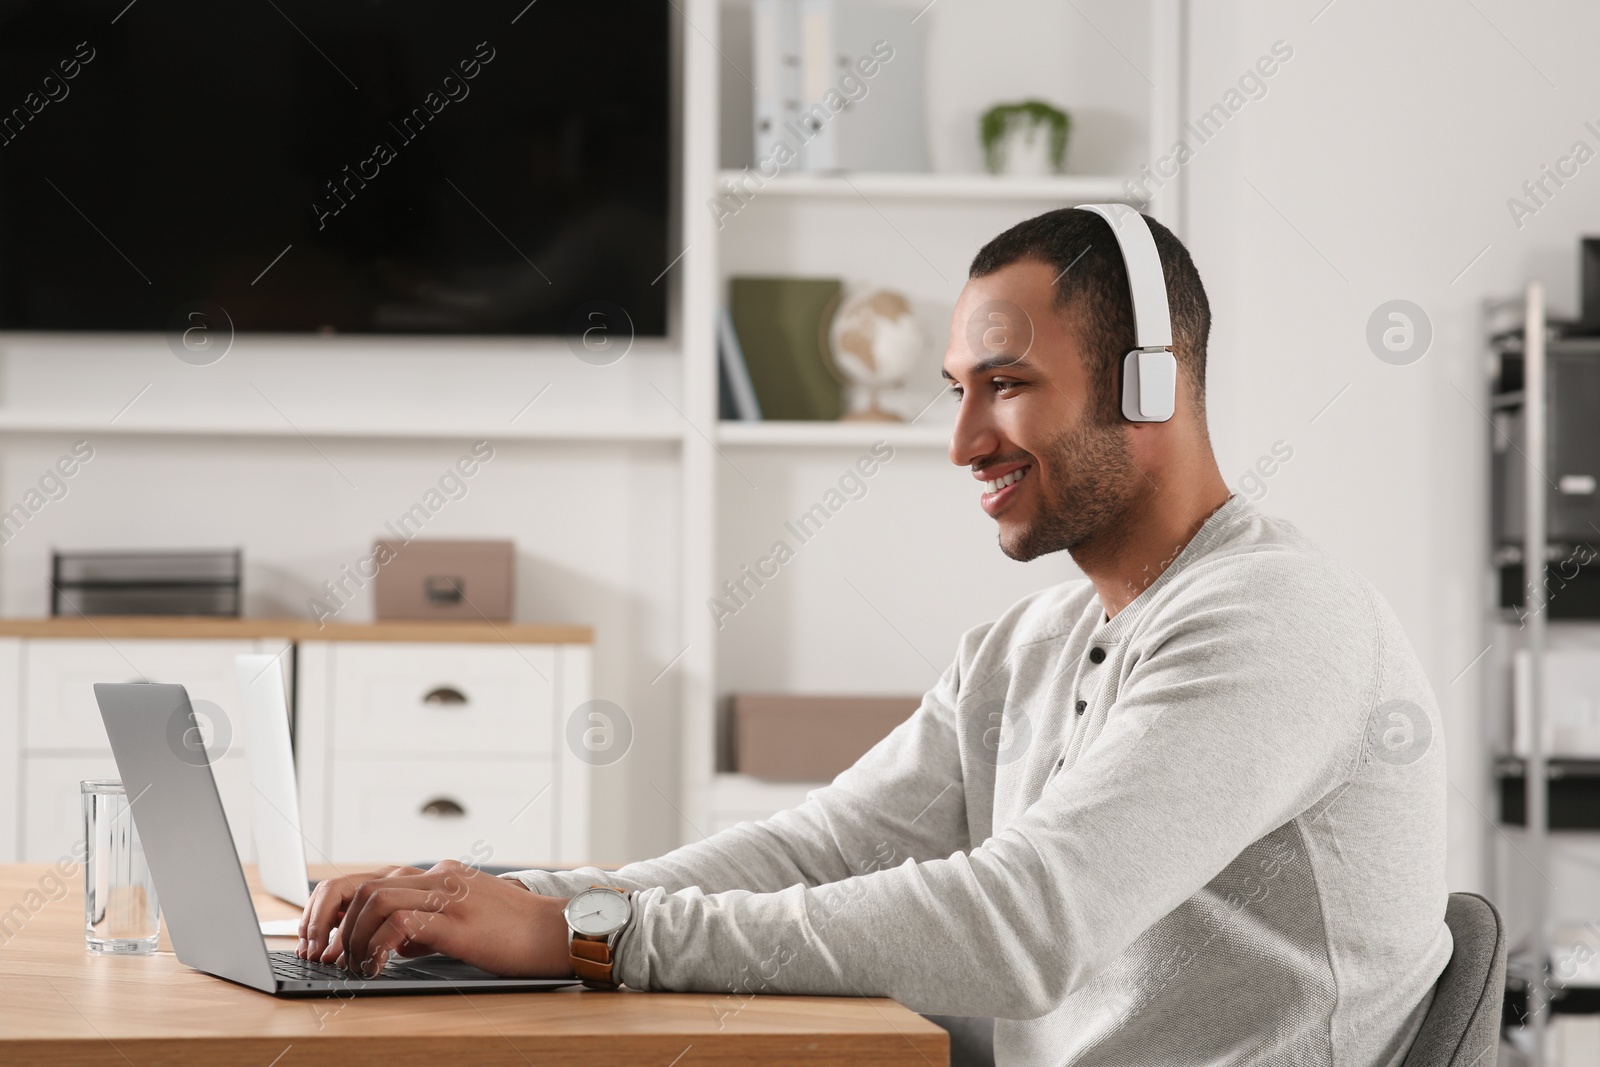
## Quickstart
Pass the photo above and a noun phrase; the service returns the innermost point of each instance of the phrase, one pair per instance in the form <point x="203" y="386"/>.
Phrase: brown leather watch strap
<point x="591" y="961"/>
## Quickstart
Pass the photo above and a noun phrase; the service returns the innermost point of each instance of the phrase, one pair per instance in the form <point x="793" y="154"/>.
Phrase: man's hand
<point x="359" y="920"/>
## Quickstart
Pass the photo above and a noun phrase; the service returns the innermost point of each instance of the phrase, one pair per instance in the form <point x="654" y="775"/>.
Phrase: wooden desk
<point x="181" y="627"/>
<point x="59" y="1005"/>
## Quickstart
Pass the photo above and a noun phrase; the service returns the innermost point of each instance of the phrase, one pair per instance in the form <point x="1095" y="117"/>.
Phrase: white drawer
<point x="59" y="677"/>
<point x="411" y="811"/>
<point x="52" y="807"/>
<point x="422" y="698"/>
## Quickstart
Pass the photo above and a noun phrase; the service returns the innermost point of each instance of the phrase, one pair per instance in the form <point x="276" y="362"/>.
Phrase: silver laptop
<point x="274" y="798"/>
<point x="210" y="916"/>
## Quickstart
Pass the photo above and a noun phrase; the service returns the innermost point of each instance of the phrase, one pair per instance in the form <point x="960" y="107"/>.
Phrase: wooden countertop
<point x="60" y="1005"/>
<point x="183" y="627"/>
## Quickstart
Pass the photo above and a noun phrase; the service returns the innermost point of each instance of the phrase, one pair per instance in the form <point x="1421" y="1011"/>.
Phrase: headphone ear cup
<point x="1149" y="385"/>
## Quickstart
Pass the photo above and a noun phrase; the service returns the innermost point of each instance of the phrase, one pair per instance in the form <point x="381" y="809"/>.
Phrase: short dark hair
<point x="1091" y="279"/>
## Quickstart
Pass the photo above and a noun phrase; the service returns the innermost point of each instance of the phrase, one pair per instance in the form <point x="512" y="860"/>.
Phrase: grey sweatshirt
<point x="1210" y="830"/>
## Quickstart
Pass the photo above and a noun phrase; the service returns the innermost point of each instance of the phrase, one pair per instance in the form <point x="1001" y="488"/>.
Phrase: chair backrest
<point x="1462" y="1027"/>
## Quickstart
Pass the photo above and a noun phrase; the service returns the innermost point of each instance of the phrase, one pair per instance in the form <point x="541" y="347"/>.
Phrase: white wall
<point x="1384" y="153"/>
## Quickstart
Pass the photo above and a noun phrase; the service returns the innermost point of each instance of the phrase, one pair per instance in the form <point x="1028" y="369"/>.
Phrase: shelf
<point x="1506" y="401"/>
<point x="1067" y="189"/>
<point x="398" y="428"/>
<point x="1572" y="792"/>
<point x="1574" y="597"/>
<point x="833" y="434"/>
<point x="1564" y="999"/>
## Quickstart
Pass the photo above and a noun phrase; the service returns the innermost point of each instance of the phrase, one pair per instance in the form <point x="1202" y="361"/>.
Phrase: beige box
<point x="470" y="581"/>
<point x="784" y="737"/>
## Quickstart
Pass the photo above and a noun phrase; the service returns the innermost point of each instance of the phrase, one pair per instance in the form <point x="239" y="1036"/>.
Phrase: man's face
<point x="1054" y="477"/>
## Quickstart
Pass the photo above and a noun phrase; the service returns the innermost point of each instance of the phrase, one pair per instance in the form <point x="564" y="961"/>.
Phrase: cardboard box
<point x="465" y="580"/>
<point x="784" y="737"/>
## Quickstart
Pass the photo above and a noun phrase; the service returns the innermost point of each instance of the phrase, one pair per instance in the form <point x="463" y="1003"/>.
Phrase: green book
<point x="782" y="324"/>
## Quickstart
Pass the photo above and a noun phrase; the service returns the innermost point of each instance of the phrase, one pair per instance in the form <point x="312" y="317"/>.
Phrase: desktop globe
<point x="873" y="342"/>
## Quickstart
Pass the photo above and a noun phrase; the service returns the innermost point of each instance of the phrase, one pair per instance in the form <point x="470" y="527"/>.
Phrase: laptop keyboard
<point x="288" y="966"/>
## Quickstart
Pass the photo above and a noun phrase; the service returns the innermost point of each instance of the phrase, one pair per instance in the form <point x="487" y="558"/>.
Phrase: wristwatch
<point x="596" y="917"/>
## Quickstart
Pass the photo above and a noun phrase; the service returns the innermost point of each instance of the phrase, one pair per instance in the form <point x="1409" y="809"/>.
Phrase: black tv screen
<point x="357" y="166"/>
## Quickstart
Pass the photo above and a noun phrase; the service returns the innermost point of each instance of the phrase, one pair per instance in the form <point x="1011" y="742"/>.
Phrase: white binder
<point x="885" y="130"/>
<point x="775" y="61"/>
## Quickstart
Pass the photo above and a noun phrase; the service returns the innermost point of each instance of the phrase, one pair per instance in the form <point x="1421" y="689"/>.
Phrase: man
<point x="1188" y="811"/>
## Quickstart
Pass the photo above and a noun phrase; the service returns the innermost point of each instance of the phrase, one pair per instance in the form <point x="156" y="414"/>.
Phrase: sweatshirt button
<point x="1062" y="762"/>
<point x="1081" y="705"/>
<point x="1096" y="655"/>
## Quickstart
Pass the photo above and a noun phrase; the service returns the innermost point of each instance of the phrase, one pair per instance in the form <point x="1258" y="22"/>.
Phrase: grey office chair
<point x="1462" y="1027"/>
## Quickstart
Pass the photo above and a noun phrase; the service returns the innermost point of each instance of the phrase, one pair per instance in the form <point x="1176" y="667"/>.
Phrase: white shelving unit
<point x="1065" y="189"/>
<point x="927" y="226"/>
<point x="832" y="434"/>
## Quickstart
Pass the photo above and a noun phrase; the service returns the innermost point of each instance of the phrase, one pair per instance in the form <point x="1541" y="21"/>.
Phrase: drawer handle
<point x="445" y="694"/>
<point x="443" y="808"/>
<point x="443" y="589"/>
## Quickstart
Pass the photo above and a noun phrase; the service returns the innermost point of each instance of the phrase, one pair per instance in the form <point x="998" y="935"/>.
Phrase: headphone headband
<point x="1147" y="285"/>
<point x="1149" y="370"/>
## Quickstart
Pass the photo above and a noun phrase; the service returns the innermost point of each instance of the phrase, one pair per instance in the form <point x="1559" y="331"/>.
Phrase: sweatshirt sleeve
<point x="907" y="789"/>
<point x="1237" y="718"/>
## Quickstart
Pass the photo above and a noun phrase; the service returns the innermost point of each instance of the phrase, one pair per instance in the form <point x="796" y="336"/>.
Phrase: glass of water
<point x="120" y="912"/>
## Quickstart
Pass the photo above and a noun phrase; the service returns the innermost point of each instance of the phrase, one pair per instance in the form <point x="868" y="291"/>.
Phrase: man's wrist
<point x="550" y="949"/>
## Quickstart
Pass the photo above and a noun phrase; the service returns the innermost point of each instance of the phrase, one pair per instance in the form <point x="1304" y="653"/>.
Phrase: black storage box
<point x="147" y="583"/>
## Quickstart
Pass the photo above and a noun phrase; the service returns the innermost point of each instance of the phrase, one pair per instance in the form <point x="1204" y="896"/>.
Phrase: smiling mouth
<point x="1012" y="478"/>
<point x="998" y="492"/>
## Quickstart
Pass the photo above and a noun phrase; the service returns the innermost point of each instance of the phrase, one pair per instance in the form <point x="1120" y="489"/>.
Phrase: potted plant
<point x="1028" y="138"/>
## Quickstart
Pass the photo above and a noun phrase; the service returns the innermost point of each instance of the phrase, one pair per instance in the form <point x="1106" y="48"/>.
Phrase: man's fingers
<point x="327" y="904"/>
<point x="322" y="911"/>
<point x="438" y="887"/>
<point x="334" y="949"/>
<point x="403" y="933"/>
<point x="375" y="911"/>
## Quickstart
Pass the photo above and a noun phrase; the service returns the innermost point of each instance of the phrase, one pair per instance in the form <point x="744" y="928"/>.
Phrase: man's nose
<point x="974" y="435"/>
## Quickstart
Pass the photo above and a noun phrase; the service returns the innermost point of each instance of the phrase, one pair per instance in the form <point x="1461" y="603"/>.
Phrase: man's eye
<point x="955" y="391"/>
<point x="1002" y="384"/>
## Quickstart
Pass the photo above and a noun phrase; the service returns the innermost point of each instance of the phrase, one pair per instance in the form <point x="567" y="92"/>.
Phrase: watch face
<point x="598" y="912"/>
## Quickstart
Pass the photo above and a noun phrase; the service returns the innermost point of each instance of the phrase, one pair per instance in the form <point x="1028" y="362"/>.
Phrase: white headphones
<point x="1149" y="370"/>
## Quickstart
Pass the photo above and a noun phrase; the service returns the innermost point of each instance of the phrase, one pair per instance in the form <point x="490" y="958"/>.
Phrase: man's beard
<point x="1093" y="481"/>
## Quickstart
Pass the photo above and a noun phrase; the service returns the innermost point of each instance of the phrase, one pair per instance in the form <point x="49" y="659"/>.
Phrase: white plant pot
<point x="1025" y="151"/>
